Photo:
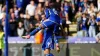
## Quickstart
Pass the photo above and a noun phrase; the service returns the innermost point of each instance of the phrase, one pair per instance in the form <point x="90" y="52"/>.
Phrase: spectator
<point x="30" y="9"/>
<point x="98" y="5"/>
<point x="92" y="26"/>
<point x="3" y="21"/>
<point x="13" y="25"/>
<point x="0" y="8"/>
<point x="2" y="13"/>
<point x="11" y="10"/>
<point x="84" y="25"/>
<point x="92" y="9"/>
<point x="21" y="17"/>
<point x="58" y="5"/>
<point x="27" y="23"/>
<point x="66" y="9"/>
<point x="98" y="22"/>
<point x="73" y="8"/>
<point x="4" y="9"/>
<point x="38" y="20"/>
<point x="85" y="1"/>
<point x="20" y="29"/>
<point x="78" y="18"/>
<point x="62" y="16"/>
<point x="46" y="4"/>
<point x="3" y="24"/>
<point x="85" y="7"/>
<point x="71" y="11"/>
<point x="16" y="11"/>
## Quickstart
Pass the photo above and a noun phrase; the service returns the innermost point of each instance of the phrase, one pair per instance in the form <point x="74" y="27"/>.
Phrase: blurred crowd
<point x="26" y="15"/>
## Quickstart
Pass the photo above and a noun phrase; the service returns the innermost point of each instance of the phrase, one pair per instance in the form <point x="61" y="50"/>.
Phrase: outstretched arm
<point x="34" y="32"/>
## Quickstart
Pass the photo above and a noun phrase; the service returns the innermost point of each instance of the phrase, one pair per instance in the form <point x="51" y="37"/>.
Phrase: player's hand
<point x="57" y="48"/>
<point x="26" y="37"/>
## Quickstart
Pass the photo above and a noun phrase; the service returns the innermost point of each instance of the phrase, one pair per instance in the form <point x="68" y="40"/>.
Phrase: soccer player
<point x="51" y="27"/>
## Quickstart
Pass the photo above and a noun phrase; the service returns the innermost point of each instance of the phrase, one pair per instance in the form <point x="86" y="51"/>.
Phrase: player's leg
<point x="48" y="42"/>
<point x="45" y="24"/>
<point x="57" y="43"/>
<point x="56" y="34"/>
<point x="47" y="52"/>
<point x="47" y="47"/>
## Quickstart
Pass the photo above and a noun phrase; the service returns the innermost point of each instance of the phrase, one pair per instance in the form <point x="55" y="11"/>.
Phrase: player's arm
<point x="34" y="32"/>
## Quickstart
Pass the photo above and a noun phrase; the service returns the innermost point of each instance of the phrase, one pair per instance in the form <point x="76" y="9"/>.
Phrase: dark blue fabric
<point x="98" y="19"/>
<point x="19" y="3"/>
<point x="48" y="41"/>
<point x="81" y="4"/>
<point x="84" y="26"/>
<point x="49" y="54"/>
<point x="66" y="9"/>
